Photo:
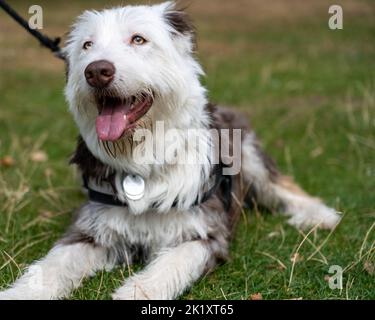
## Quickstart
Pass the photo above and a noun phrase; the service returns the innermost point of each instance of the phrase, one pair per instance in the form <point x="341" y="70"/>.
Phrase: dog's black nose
<point x="99" y="74"/>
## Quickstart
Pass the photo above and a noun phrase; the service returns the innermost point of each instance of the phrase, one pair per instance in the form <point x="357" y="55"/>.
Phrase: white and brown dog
<point x="129" y="69"/>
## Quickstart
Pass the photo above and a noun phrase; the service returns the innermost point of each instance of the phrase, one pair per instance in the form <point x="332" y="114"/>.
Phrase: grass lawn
<point x="310" y="94"/>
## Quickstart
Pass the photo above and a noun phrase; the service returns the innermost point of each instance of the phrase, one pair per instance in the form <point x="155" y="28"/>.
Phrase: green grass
<point x="310" y="95"/>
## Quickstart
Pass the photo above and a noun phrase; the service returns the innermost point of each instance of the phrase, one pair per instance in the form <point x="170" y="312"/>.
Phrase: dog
<point x="129" y="69"/>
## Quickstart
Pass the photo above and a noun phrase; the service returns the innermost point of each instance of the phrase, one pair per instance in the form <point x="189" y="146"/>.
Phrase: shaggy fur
<point x="179" y="241"/>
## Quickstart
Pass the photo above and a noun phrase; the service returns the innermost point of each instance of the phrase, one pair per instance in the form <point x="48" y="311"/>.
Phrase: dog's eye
<point x="87" y="45"/>
<point x="138" y="40"/>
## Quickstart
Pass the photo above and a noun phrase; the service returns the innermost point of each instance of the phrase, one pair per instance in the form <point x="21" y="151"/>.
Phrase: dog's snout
<point x="99" y="74"/>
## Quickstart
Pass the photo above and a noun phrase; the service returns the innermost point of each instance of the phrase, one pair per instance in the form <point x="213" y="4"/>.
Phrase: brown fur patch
<point x="288" y="183"/>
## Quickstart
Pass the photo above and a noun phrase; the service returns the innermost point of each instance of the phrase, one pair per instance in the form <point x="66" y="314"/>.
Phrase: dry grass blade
<point x="319" y="248"/>
<point x="11" y="259"/>
<point x="100" y="285"/>
<point x="362" y="255"/>
<point x="282" y="265"/>
<point x="29" y="245"/>
<point x="365" y="240"/>
<point x="296" y="252"/>
<point x="222" y="292"/>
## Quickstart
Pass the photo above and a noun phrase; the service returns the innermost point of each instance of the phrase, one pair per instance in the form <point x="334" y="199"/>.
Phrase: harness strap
<point x="52" y="44"/>
<point x="221" y="181"/>
<point x="101" y="197"/>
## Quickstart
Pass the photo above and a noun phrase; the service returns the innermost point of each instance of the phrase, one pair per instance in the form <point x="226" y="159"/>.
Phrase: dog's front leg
<point x="169" y="274"/>
<point x="55" y="275"/>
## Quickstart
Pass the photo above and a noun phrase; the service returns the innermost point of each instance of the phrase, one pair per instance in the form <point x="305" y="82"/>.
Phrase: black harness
<point x="222" y="183"/>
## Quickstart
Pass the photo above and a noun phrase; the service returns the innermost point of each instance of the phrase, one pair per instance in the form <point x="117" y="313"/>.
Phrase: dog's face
<point x="124" y="63"/>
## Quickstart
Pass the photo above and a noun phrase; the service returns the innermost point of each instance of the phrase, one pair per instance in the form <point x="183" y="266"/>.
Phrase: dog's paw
<point x="314" y="214"/>
<point x="137" y="290"/>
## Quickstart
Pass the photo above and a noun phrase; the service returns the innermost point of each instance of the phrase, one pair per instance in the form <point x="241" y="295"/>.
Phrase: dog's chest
<point x="151" y="229"/>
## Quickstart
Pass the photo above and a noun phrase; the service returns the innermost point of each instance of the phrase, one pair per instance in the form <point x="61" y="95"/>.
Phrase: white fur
<point x="153" y="230"/>
<point x="58" y="273"/>
<point x="168" y="275"/>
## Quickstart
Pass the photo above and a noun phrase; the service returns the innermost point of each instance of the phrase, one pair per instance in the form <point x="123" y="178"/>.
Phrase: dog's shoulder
<point x="227" y="118"/>
<point x="88" y="164"/>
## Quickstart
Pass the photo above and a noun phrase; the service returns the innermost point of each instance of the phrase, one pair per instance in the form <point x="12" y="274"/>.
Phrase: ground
<point x="310" y="94"/>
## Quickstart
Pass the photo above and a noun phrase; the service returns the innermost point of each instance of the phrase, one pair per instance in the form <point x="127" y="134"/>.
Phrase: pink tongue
<point x="112" y="122"/>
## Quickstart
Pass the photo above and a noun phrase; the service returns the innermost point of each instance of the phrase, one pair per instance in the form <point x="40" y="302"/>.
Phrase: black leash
<point x="52" y="44"/>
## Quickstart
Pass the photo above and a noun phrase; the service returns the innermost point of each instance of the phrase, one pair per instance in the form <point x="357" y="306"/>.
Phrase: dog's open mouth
<point x="118" y="115"/>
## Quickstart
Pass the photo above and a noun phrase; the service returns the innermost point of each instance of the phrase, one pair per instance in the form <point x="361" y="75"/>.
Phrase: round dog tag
<point x="134" y="187"/>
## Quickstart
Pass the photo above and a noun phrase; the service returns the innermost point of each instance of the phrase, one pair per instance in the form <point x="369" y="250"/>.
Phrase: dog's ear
<point x="179" y="21"/>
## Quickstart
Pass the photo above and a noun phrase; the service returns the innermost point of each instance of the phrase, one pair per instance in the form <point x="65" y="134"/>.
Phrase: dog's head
<point x="125" y="64"/>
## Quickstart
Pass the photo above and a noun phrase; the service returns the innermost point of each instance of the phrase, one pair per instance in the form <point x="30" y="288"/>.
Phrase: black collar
<point x="221" y="181"/>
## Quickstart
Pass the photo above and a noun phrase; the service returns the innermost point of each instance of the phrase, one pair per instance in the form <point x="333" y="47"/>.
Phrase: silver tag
<point x="134" y="187"/>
